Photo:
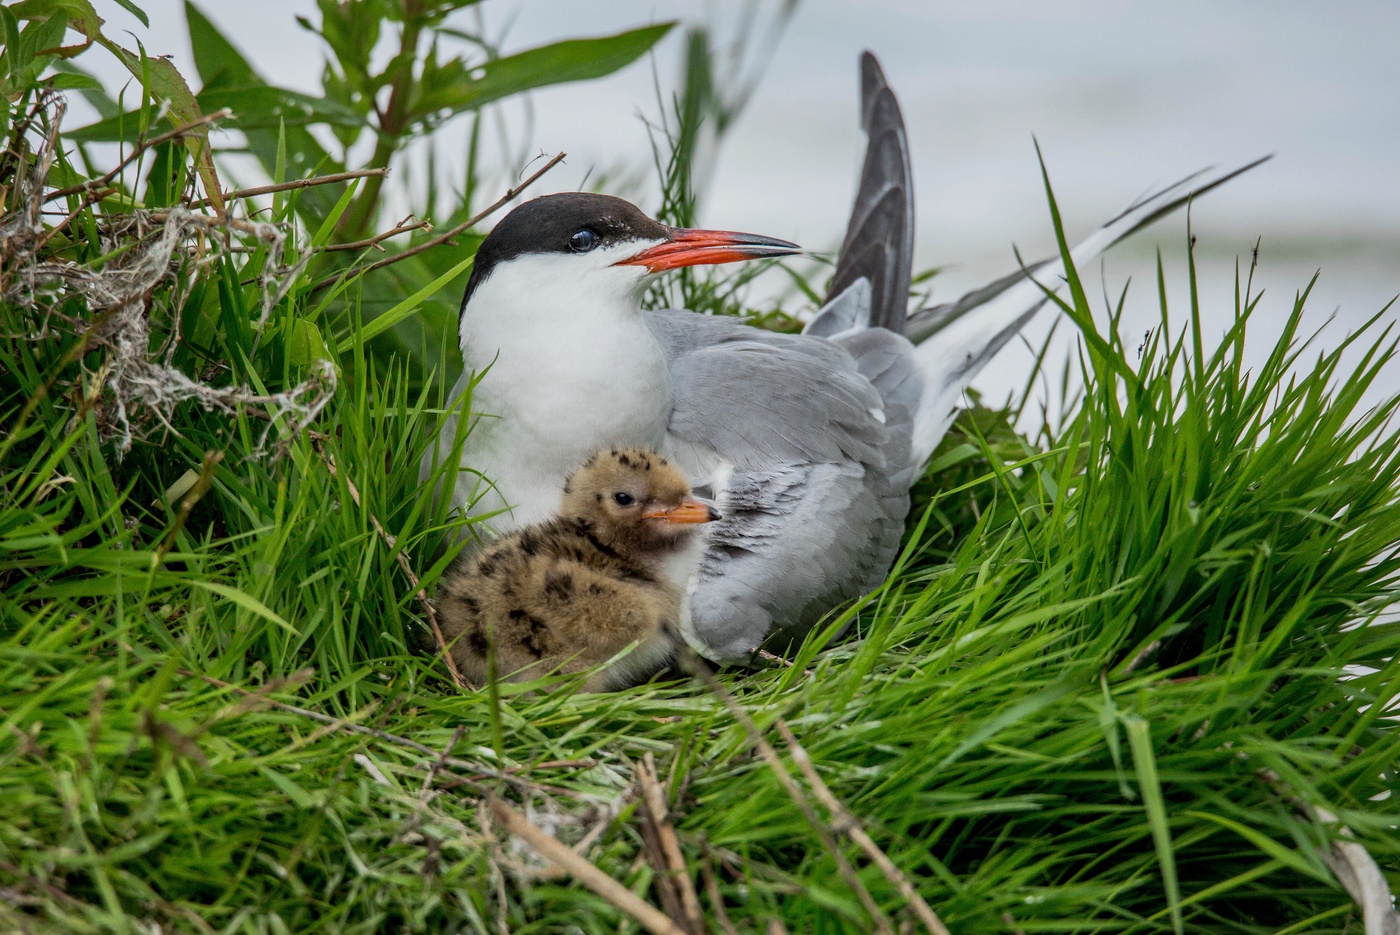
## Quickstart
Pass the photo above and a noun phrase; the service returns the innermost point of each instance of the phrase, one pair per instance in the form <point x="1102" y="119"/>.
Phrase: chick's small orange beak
<point x="705" y="248"/>
<point x="689" y="510"/>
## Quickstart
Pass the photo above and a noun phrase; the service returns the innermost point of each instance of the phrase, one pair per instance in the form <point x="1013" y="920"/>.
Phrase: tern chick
<point x="570" y="593"/>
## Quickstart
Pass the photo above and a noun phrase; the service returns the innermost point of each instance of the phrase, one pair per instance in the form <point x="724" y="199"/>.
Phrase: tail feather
<point x="953" y="344"/>
<point x="879" y="245"/>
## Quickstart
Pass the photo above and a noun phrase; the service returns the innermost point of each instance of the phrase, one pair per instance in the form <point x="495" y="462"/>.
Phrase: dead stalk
<point x="676" y="871"/>
<point x="770" y="756"/>
<point x="449" y="235"/>
<point x="848" y="824"/>
<point x="295" y="184"/>
<point x="555" y="851"/>
<point x="377" y="239"/>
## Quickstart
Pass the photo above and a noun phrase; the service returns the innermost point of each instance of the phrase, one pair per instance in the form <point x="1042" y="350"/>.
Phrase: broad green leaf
<point x="221" y="65"/>
<point x="135" y="11"/>
<point x="80" y="13"/>
<point x="168" y="85"/>
<point x="74" y="81"/>
<point x="305" y="345"/>
<point x="259" y="106"/>
<point x="10" y="33"/>
<point x="559" y="62"/>
<point x="216" y="60"/>
<point x="42" y="40"/>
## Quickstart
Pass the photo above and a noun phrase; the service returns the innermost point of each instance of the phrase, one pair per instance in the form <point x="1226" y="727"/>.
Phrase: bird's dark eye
<point x="583" y="241"/>
<point x="623" y="499"/>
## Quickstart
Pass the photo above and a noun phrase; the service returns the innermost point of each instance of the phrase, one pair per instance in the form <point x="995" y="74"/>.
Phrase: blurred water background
<point x="1122" y="96"/>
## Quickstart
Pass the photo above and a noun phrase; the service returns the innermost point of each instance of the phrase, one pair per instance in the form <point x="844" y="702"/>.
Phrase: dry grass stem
<point x="1353" y="866"/>
<point x="555" y="851"/>
<point x="438" y="241"/>
<point x="294" y="185"/>
<point x="187" y="503"/>
<point x="402" y="228"/>
<point x="794" y="791"/>
<point x="848" y="824"/>
<point x="675" y="873"/>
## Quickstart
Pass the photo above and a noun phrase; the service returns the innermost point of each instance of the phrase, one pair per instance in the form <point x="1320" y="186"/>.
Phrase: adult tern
<point x="809" y="443"/>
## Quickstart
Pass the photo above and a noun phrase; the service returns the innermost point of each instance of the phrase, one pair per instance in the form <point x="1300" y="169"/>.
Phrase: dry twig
<point x="674" y="875"/>
<point x="555" y="851"/>
<point x="438" y="241"/>
<point x="846" y="823"/>
<point x="676" y="871"/>
<point x="715" y="896"/>
<point x="141" y="147"/>
<point x="794" y="791"/>
<point x="295" y="184"/>
<point x="377" y="239"/>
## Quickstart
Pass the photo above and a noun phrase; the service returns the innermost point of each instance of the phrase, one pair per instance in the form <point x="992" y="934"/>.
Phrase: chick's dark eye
<point x="623" y="499"/>
<point x="583" y="241"/>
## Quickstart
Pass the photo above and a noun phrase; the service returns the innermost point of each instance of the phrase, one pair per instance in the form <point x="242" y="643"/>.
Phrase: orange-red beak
<point x="689" y="510"/>
<point x="705" y="248"/>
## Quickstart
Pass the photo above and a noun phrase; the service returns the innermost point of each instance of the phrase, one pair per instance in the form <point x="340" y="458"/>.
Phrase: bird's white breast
<point x="568" y="370"/>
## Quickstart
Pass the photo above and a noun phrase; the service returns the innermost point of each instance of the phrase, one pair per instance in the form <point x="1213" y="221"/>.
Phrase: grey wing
<point x="795" y="541"/>
<point x="758" y="398"/>
<point x="811" y="439"/>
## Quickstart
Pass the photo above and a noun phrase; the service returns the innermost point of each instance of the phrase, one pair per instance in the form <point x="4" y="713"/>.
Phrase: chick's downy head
<point x="635" y="497"/>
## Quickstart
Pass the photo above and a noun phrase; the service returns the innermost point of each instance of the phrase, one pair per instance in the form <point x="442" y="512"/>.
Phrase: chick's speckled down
<point x="569" y="594"/>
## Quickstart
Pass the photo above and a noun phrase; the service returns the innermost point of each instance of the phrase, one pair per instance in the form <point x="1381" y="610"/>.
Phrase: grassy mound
<point x="1127" y="676"/>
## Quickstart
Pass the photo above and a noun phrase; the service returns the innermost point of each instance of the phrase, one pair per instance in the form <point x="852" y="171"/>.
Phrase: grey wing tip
<point x="1193" y="191"/>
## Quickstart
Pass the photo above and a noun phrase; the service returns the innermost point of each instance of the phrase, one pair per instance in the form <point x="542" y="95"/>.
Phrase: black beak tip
<point x="714" y="514"/>
<point x="774" y="244"/>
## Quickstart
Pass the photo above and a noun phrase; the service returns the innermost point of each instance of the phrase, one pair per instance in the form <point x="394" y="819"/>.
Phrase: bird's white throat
<point x="570" y="367"/>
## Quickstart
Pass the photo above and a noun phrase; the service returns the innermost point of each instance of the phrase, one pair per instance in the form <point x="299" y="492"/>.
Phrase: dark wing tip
<point x="880" y="234"/>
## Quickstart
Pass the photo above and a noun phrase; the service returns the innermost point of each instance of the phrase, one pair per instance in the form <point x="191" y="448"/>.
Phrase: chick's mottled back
<point x="569" y="594"/>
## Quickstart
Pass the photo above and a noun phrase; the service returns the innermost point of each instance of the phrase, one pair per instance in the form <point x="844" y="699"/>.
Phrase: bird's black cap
<point x="551" y="223"/>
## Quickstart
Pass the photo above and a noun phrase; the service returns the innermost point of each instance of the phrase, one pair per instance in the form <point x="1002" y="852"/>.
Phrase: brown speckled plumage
<point x="569" y="594"/>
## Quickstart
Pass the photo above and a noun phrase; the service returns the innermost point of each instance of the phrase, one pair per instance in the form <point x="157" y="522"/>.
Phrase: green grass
<point x="1118" y="670"/>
